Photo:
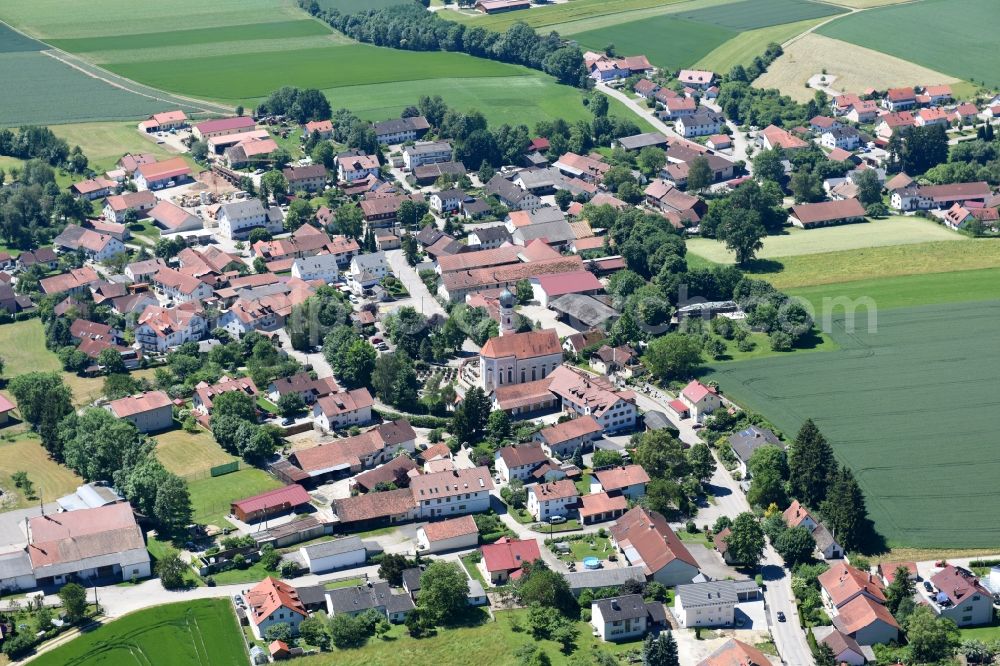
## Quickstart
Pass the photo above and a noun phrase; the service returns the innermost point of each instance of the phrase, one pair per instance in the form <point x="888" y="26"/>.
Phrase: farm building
<point x="826" y="213"/>
<point x="271" y="503"/>
<point x="336" y="554"/>
<point x="451" y="534"/>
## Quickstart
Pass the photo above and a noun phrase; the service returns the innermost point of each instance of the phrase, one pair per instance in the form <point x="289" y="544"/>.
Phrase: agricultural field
<point x="896" y="230"/>
<point x="923" y="460"/>
<point x="104" y="143"/>
<point x="185" y="453"/>
<point x="201" y="632"/>
<point x="891" y="30"/>
<point x="211" y="496"/>
<point x="666" y="40"/>
<point x="557" y="16"/>
<point x="753" y="14"/>
<point x="355" y="6"/>
<point x="852" y="68"/>
<point x="25" y="453"/>
<point x="744" y="47"/>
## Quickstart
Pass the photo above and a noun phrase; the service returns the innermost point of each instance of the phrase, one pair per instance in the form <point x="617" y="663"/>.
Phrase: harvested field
<point x="924" y="468"/>
<point x="854" y="67"/>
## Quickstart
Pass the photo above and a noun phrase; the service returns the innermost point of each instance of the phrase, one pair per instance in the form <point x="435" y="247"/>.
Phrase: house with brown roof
<point x="518" y="461"/>
<point x="171" y="218"/>
<point x="772" y="137"/>
<point x="116" y="205"/>
<point x="599" y="507"/>
<point x="826" y="213"/>
<point x="586" y="168"/>
<point x="159" y="328"/>
<point x="452" y="493"/>
<point x="960" y="597"/>
<point x="351" y="168"/>
<point x="899" y="99"/>
<point x="149" y="412"/>
<point x="554" y="498"/>
<point x="736" y="653"/>
<point x="866" y="621"/>
<point x="563" y="439"/>
<point x="626" y="480"/>
<point x="397" y="472"/>
<point x="387" y="508"/>
<point x="310" y="178"/>
<point x="894" y="122"/>
<point x="841" y="583"/>
<point x="587" y="395"/>
<point x="451" y="534"/>
<point x="271" y="503"/>
<point x="668" y="198"/>
<point x="208" y="129"/>
<point x="272" y="602"/>
<point x="158" y="175"/>
<point x="344" y="409"/>
<point x="645" y="539"/>
<point x="322" y="127"/>
<point x="352" y="454"/>
<point x="90" y="545"/>
<point x="204" y="393"/>
<point x="181" y="286"/>
<point x="309" y="389"/>
<point x="76" y="281"/>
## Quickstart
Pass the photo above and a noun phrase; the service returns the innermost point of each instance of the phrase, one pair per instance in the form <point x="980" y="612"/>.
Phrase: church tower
<point x="507" y="302"/>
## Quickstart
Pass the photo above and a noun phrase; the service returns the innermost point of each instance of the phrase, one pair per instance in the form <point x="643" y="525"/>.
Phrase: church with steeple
<point x="517" y="358"/>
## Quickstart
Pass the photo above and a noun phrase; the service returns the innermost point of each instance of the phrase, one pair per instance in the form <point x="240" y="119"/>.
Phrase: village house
<point x="696" y="78"/>
<point x="745" y="442"/>
<point x="563" y="439"/>
<point x="927" y="197"/>
<point x="932" y="116"/>
<point x="826" y="213"/>
<point x="599" y="507"/>
<point x="446" y="201"/>
<point x="646" y="88"/>
<point x="519" y="461"/>
<point x="700" y="399"/>
<point x="350" y="455"/>
<point x="891" y="123"/>
<point x="45" y="257"/>
<point x="845" y="649"/>
<point x="586" y="168"/>
<point x="91" y="545"/>
<point x="426" y="152"/>
<point x="700" y="123"/>
<point x="159" y="175"/>
<point x="736" y="653"/>
<point x="159" y="329"/>
<point x="846" y="138"/>
<point x="323" y="128"/>
<point x="94" y="246"/>
<point x="555" y="498"/>
<point x="712" y="603"/>
<point x="93" y="188"/>
<point x="250" y="152"/>
<point x="238" y="218"/>
<point x="165" y="121"/>
<point x="675" y="108"/>
<point x="452" y="492"/>
<point x="827" y="547"/>
<point x="609" y="360"/>
<point x="510" y="195"/>
<point x="400" y="130"/>
<point x="369" y="269"/>
<point x="772" y="137"/>
<point x="487" y="238"/>
<point x="208" y="129"/>
<point x="342" y="410"/>
<point x="308" y="389"/>
<point x="76" y="281"/>
<point x="272" y="602"/>
<point x="171" y="218"/>
<point x="668" y="198"/>
<point x="645" y="539"/>
<point x="151" y="411"/>
<point x="446" y="535"/>
<point x="899" y="99"/>
<point x="857" y="602"/>
<point x="319" y="267"/>
<point x="311" y="178"/>
<point x="204" y="393"/>
<point x="371" y="596"/>
<point x="958" y="216"/>
<point x="614" y="411"/>
<point x="180" y="286"/>
<point x="503" y="560"/>
<point x="719" y="142"/>
<point x="627" y="480"/>
<point x="351" y="168"/>
<point x="117" y="205"/>
<point x="960" y="597"/>
<point x="625" y="617"/>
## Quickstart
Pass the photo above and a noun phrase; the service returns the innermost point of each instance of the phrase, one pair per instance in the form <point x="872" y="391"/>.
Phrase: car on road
<point x="928" y="586"/>
<point x="781" y="616"/>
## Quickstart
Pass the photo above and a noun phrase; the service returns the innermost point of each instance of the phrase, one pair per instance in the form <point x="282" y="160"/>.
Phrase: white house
<point x="846" y="138"/>
<point x="622" y="618"/>
<point x="700" y="123"/>
<point x="563" y="439"/>
<point x="592" y="396"/>
<point x="445" y="535"/>
<point x="712" y="603"/>
<point x="452" y="493"/>
<point x="272" y="602"/>
<point x="320" y="267"/>
<point x="159" y="329"/>
<point x="702" y="400"/>
<point x="238" y="218"/>
<point x="518" y="462"/>
<point x="342" y="410"/>
<point x="357" y="167"/>
<point x="149" y="412"/>
<point x="446" y="201"/>
<point x="426" y="152"/>
<point x="368" y="270"/>
<point x="556" y="498"/>
<point x="337" y="554"/>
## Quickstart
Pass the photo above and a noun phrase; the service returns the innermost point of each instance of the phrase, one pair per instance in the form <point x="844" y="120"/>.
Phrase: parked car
<point x="928" y="586"/>
<point x="781" y="616"/>
<point x="557" y="520"/>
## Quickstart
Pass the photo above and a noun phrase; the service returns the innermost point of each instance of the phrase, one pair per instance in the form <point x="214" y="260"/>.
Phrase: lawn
<point x="910" y="290"/>
<point x="185" y="453"/>
<point x="211" y="497"/>
<point x="753" y="14"/>
<point x="667" y="41"/>
<point x="340" y="584"/>
<point x="469" y="562"/>
<point x="878" y="262"/>
<point x="492" y="642"/>
<point x="105" y="142"/>
<point x="897" y="230"/>
<point x="51" y="480"/>
<point x="886" y="401"/>
<point x="581" y="548"/>
<point x="201" y="632"/>
<point x="891" y="30"/>
<point x="855" y="68"/>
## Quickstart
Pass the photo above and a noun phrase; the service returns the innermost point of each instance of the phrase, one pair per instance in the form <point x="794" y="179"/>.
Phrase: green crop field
<point x="355" y="6"/>
<point x="752" y="14"/>
<point x="891" y="403"/>
<point x="202" y="632"/>
<point x="552" y="17"/>
<point x="744" y="47"/>
<point x="667" y="41"/>
<point x="969" y="24"/>
<point x="909" y="290"/>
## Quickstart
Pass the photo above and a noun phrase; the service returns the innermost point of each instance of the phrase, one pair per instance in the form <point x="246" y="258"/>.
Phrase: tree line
<point x="413" y="28"/>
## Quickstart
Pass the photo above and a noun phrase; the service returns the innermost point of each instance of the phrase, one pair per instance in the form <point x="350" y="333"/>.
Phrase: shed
<point x="337" y="554"/>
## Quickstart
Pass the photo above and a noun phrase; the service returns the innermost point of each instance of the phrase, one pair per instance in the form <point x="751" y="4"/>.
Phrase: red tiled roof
<point x="523" y="345"/>
<point x="171" y="168"/>
<point x="695" y="391"/>
<point x="72" y="536"/>
<point x="736" y="653"/>
<point x="842" y="581"/>
<point x="291" y="495"/>
<point x="138" y="404"/>
<point x="622" y="477"/>
<point x="5" y="404"/>
<point x="825" y="211"/>
<point x="271" y="594"/>
<point x="554" y="490"/>
<point x="522" y="455"/>
<point x="509" y="555"/>
<point x="574" y="282"/>
<point x="861" y="612"/>
<point x="649" y="535"/>
<point x="563" y="432"/>
<point x="598" y="503"/>
<point x="225" y="124"/>
<point x="449" y="529"/>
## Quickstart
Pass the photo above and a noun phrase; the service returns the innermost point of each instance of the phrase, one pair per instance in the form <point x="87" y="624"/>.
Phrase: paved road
<point x="730" y="500"/>
<point x="420" y="298"/>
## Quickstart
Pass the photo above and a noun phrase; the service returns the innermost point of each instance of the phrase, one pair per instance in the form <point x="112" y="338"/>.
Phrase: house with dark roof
<point x="960" y="597"/>
<point x="625" y="617"/>
<point x="748" y="440"/>
<point x="518" y="462"/>
<point x="376" y="596"/>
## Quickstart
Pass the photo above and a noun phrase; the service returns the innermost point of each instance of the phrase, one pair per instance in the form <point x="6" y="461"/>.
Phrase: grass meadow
<point x="25" y="453"/>
<point x="105" y="142"/>
<point x="887" y="401"/>
<point x="667" y="41"/>
<point x="891" y="30"/>
<point x="185" y="453"/>
<point x="201" y="632"/>
<point x="553" y="17"/>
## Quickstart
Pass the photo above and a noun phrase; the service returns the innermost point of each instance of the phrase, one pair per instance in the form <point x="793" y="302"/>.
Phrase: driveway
<point x="420" y="298"/>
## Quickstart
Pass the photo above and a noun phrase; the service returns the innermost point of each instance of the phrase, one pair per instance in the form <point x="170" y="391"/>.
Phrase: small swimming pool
<point x="591" y="563"/>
